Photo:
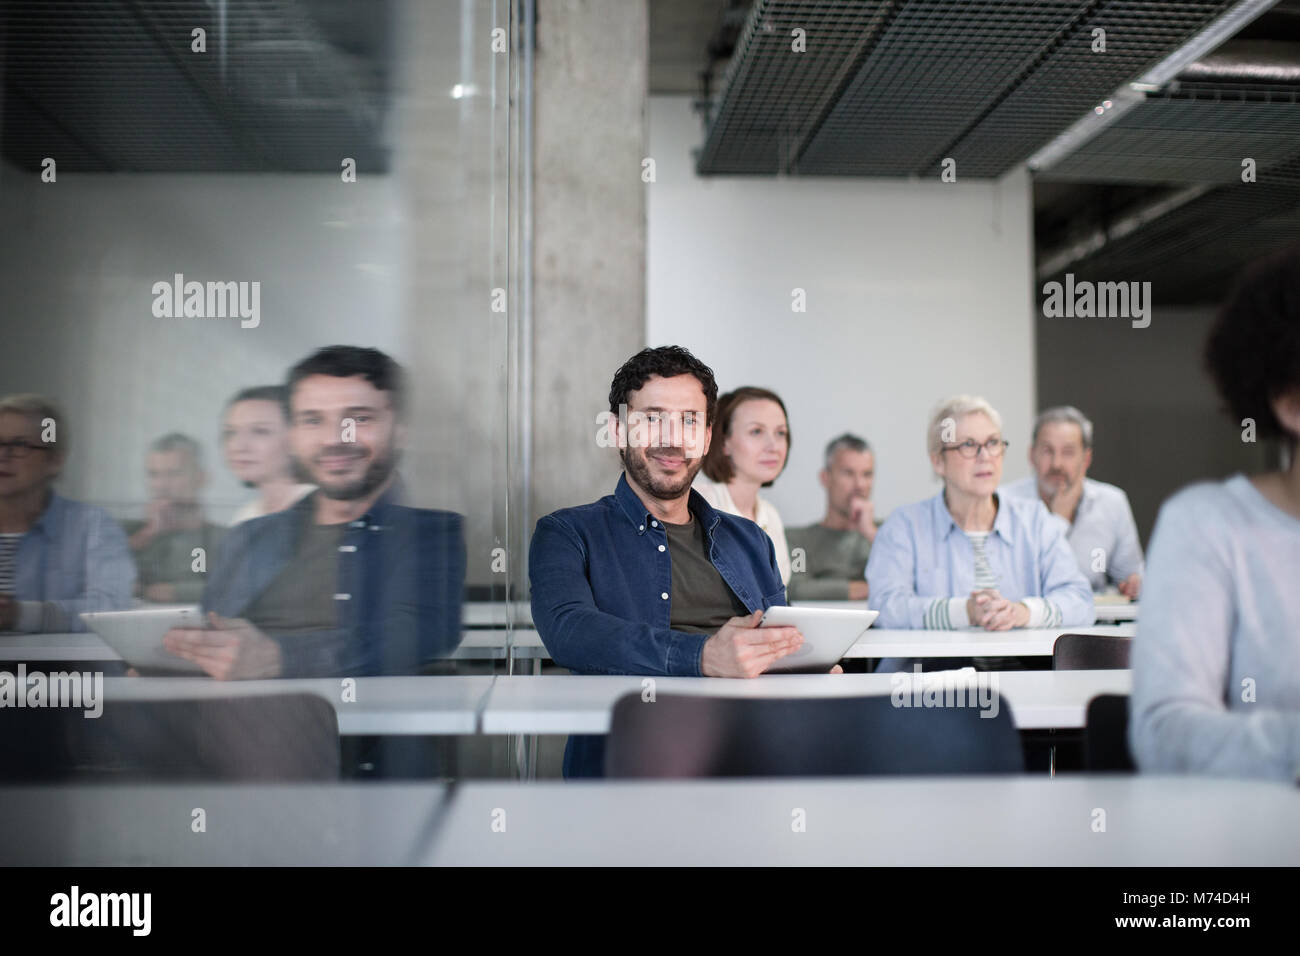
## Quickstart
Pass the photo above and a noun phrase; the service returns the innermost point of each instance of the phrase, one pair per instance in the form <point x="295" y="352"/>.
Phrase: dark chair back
<point x="1091" y="652"/>
<point x="679" y="736"/>
<point x="279" y="737"/>
<point x="1105" y="740"/>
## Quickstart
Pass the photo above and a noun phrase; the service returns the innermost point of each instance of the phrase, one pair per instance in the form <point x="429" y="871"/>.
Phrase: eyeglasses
<point x="971" y="449"/>
<point x="21" y="448"/>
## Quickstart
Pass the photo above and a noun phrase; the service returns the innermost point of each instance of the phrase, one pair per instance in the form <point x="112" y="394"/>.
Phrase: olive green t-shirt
<point x="169" y="558"/>
<point x="301" y="598"/>
<point x="701" y="601"/>
<point x="831" y="560"/>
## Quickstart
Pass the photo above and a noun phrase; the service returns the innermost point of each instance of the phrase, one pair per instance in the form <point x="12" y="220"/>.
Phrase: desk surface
<point x="55" y="647"/>
<point x="1108" y="612"/>
<point x="1111" y="613"/>
<point x="383" y="705"/>
<point x="490" y="644"/>
<point x="475" y="645"/>
<point x="907" y="821"/>
<point x="582" y="705"/>
<point x="496" y="614"/>
<point x="974" y="642"/>
<point x="979" y="821"/>
<point x="247" y="825"/>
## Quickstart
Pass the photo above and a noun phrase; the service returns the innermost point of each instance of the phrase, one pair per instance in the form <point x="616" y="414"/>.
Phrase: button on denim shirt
<point x="401" y="573"/>
<point x="920" y="554"/>
<point x="601" y="582"/>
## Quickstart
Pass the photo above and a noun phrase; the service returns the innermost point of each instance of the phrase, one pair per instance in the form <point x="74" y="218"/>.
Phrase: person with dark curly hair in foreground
<point x="1216" y="663"/>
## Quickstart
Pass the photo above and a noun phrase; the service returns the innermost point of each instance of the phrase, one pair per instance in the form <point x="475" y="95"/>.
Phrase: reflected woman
<point x="255" y="441"/>
<point x="967" y="557"/>
<point x="751" y="443"/>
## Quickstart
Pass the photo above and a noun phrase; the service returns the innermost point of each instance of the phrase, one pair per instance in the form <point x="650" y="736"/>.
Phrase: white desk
<point x="366" y="824"/>
<point x="903" y="821"/>
<point x="973" y="642"/>
<point x="526" y="644"/>
<point x="55" y="647"/>
<point x="474" y="645"/>
<point x="496" y="614"/>
<point x="1106" y="613"/>
<point x="383" y="705"/>
<point x="1114" y="613"/>
<point x="582" y="705"/>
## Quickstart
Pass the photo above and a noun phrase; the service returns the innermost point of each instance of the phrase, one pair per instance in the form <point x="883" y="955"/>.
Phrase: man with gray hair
<point x="1102" y="532"/>
<point x="58" y="558"/>
<point x="834" y="553"/>
<point x="173" y="544"/>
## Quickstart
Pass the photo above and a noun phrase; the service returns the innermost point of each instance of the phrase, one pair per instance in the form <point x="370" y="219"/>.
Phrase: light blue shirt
<point x="1104" y="536"/>
<point x="74" y="558"/>
<point x="1216" y="660"/>
<point x="920" y="557"/>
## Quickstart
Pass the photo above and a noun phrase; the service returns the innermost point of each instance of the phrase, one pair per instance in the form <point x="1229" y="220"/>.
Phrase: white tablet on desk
<point x="137" y="635"/>
<point x="827" y="635"/>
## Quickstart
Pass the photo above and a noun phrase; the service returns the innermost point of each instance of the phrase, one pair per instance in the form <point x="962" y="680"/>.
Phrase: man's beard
<point x="1055" y="484"/>
<point x="634" y="460"/>
<point x="375" y="475"/>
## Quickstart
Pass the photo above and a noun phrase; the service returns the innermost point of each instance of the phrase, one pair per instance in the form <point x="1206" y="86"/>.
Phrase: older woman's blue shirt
<point x="920" y="555"/>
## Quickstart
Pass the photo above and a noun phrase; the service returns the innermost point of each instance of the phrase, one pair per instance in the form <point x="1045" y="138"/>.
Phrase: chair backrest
<point x="273" y="737"/>
<point x="679" y="736"/>
<point x="1091" y="652"/>
<point x="1105" y="739"/>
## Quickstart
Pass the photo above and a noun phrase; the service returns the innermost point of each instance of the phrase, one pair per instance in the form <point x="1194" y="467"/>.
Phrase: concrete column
<point x="589" y="235"/>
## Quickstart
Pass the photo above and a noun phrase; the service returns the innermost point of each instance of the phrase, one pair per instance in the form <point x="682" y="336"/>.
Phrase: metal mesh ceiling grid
<point x="1073" y="80"/>
<point x="118" y="85"/>
<point x="984" y="82"/>
<point x="750" y="130"/>
<point x="937" y="67"/>
<point x="1187" y="140"/>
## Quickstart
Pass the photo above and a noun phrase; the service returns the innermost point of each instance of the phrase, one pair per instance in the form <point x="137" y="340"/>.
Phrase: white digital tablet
<point x="827" y="636"/>
<point x="137" y="635"/>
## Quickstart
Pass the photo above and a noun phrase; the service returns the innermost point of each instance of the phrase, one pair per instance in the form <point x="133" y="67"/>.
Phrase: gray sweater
<point x="1216" y="660"/>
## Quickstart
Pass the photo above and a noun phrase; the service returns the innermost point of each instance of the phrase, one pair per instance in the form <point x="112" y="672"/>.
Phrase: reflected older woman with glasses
<point x="967" y="557"/>
<point x="58" y="558"/>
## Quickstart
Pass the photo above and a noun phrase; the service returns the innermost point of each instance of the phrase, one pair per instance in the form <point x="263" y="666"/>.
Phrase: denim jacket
<point x="401" y="573"/>
<point x="601" y="583"/>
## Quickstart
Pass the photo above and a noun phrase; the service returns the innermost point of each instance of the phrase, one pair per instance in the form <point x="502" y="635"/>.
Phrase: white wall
<point x="915" y="290"/>
<point x="78" y="259"/>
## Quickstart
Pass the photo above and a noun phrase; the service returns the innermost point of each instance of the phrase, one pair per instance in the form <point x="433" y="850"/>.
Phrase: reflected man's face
<point x="173" y="476"/>
<point x="344" y="433"/>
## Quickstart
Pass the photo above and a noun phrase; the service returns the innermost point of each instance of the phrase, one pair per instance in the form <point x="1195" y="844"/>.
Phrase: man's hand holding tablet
<point x="228" y="649"/>
<point x="742" y="648"/>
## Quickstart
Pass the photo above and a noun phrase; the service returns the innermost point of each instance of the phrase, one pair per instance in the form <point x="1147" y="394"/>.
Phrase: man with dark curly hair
<point x="1216" y="663"/>
<point x="651" y="579"/>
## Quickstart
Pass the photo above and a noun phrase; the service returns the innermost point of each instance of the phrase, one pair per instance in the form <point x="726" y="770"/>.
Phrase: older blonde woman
<point x="967" y="557"/>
